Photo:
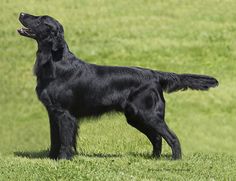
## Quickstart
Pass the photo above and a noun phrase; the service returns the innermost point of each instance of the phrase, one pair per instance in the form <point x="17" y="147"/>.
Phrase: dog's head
<point x="44" y="29"/>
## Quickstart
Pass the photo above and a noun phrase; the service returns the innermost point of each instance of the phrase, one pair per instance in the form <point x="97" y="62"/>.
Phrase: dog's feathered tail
<point x="172" y="82"/>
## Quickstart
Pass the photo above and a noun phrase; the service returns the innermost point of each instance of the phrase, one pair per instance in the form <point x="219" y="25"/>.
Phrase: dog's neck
<point x="44" y="66"/>
<point x="57" y="55"/>
<point x="61" y="53"/>
<point x="46" y="58"/>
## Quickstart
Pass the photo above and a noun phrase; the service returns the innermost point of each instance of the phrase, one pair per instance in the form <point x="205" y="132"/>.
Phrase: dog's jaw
<point x="26" y="32"/>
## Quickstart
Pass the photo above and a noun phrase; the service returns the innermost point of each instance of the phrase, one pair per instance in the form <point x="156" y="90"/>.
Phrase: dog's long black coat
<point x="70" y="89"/>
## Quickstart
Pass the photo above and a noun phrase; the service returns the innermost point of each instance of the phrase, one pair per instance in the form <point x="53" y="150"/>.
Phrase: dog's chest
<point x="54" y="93"/>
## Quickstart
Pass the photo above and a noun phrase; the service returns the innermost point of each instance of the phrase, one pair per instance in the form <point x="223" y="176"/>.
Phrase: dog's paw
<point x="65" y="156"/>
<point x="52" y="155"/>
<point x="177" y="156"/>
<point x="156" y="154"/>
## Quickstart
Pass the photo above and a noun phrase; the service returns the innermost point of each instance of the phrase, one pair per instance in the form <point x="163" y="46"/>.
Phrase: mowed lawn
<point x="187" y="36"/>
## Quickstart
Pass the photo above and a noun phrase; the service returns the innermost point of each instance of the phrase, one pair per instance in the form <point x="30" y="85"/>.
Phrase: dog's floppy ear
<point x="57" y="41"/>
<point x="57" y="36"/>
<point x="44" y="65"/>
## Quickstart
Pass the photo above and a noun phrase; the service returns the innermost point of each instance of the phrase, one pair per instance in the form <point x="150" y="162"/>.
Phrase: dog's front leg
<point x="54" y="135"/>
<point x="67" y="133"/>
<point x="53" y="121"/>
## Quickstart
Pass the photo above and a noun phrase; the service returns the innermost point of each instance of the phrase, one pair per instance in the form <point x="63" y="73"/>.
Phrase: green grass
<point x="178" y="36"/>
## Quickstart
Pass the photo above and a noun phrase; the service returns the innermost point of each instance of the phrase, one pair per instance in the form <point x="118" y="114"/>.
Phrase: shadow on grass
<point x="32" y="154"/>
<point x="150" y="156"/>
<point x="99" y="155"/>
<point x="43" y="154"/>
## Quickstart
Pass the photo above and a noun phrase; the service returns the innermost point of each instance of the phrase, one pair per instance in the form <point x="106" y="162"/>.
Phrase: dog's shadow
<point x="150" y="156"/>
<point x="99" y="155"/>
<point x="43" y="154"/>
<point x="32" y="154"/>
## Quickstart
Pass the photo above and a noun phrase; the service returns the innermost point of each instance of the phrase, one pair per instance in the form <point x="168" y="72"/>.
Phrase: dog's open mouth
<point x="26" y="32"/>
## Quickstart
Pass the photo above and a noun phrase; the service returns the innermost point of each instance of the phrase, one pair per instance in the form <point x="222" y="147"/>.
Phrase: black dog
<point x="70" y="89"/>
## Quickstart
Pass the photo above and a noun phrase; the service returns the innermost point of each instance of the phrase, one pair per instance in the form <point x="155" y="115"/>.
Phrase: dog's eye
<point x="48" y="25"/>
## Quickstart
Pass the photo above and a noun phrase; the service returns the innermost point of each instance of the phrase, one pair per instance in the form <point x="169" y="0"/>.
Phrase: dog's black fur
<point x="71" y="89"/>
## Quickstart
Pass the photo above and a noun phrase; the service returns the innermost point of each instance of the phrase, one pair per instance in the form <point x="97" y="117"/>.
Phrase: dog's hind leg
<point x="157" y="120"/>
<point x="146" y="109"/>
<point x="131" y="110"/>
<point x="170" y="137"/>
<point x="153" y="137"/>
